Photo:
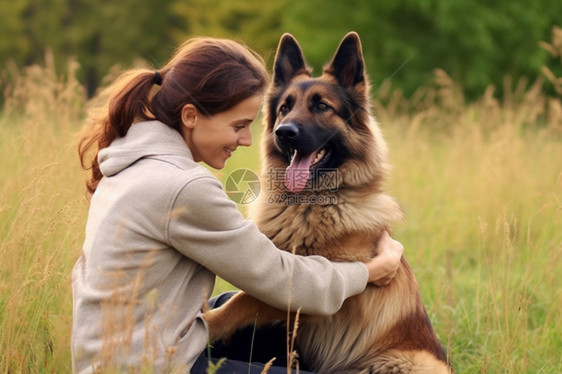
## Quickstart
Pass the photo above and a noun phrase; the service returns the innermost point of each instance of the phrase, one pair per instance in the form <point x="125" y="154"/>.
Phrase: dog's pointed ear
<point x="289" y="60"/>
<point x="348" y="65"/>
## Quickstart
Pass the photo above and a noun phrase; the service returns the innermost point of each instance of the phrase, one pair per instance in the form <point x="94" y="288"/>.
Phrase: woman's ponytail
<point x="128" y="100"/>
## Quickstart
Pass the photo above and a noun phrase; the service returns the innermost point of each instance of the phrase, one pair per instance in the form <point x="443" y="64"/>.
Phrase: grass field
<point x="481" y="185"/>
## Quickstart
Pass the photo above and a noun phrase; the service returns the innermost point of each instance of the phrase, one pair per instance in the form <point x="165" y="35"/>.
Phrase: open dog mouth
<point x="298" y="172"/>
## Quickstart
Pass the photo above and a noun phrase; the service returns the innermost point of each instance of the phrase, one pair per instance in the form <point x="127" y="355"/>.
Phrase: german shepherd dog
<point x="314" y="125"/>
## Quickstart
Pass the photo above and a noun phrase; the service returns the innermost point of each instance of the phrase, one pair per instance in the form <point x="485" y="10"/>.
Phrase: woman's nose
<point x="245" y="138"/>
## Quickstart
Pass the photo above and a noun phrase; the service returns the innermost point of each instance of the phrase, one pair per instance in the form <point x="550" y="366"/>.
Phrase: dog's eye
<point x="284" y="109"/>
<point x="322" y="107"/>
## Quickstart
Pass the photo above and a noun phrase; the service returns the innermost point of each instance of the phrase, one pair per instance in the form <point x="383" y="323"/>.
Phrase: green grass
<point x="481" y="185"/>
<point x="483" y="234"/>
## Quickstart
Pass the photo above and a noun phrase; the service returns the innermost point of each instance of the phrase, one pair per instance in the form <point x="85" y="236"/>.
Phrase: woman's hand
<point x="384" y="266"/>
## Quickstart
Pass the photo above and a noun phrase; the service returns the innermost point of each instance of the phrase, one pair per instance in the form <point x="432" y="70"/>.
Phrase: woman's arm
<point x="207" y="227"/>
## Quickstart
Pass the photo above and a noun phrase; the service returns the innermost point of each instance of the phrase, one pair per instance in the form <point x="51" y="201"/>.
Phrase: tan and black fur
<point x="384" y="329"/>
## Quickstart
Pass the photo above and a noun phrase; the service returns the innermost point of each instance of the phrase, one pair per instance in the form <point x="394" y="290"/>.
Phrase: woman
<point x="160" y="227"/>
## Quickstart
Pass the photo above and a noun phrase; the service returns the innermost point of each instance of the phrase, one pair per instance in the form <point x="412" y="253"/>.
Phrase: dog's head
<point x="322" y="123"/>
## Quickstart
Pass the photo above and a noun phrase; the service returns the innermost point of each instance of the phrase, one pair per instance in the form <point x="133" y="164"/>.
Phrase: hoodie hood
<point x="144" y="139"/>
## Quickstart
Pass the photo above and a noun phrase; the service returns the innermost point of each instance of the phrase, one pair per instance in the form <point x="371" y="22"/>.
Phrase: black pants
<point x="248" y="350"/>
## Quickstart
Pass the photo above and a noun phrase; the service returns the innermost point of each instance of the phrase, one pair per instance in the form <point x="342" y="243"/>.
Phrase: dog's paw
<point x="217" y="325"/>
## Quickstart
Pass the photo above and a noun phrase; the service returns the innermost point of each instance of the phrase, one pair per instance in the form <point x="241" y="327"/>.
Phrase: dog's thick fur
<point x="384" y="329"/>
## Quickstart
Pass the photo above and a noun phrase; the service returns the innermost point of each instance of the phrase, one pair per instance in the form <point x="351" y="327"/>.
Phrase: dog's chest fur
<point x="345" y="231"/>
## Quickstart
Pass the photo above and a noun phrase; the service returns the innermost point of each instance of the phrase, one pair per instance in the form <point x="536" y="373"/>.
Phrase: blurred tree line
<point x="477" y="42"/>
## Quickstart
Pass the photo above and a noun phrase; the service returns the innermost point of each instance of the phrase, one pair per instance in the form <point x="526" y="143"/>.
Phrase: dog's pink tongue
<point x="298" y="171"/>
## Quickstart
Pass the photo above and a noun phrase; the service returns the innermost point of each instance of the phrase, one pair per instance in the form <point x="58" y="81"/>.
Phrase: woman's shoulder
<point x="162" y="173"/>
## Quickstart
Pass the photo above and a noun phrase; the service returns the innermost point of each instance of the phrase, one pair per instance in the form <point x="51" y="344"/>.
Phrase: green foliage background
<point x="476" y="42"/>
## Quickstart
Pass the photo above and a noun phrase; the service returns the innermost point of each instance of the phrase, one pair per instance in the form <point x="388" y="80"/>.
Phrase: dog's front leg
<point x="240" y="311"/>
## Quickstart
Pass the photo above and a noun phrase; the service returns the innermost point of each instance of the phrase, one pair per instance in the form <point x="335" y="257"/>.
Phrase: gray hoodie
<point x="160" y="227"/>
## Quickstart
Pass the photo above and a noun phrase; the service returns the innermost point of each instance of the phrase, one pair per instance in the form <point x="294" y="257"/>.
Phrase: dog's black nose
<point x="287" y="132"/>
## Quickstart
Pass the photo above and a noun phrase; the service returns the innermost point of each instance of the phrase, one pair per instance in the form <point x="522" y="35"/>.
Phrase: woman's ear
<point x="189" y="116"/>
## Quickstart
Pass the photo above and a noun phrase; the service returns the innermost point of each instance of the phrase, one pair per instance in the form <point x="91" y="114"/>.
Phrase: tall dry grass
<point x="481" y="185"/>
<point x="42" y="213"/>
<point x="483" y="235"/>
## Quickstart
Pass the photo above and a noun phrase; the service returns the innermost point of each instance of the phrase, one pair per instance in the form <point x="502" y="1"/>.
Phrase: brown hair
<point x="213" y="74"/>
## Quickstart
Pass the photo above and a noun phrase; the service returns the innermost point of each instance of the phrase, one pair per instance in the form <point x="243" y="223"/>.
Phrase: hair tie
<point x="157" y="78"/>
